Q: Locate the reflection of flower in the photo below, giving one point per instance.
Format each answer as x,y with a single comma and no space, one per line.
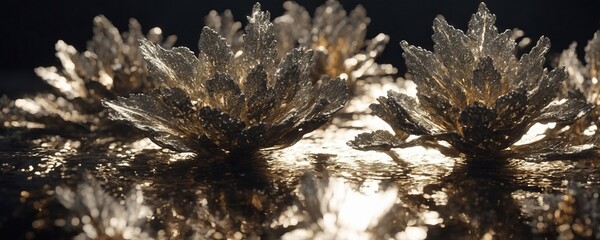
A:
583,80
221,102
473,92
338,40
575,214
112,66
333,210
100,216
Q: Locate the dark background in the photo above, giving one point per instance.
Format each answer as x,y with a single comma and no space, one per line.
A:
31,28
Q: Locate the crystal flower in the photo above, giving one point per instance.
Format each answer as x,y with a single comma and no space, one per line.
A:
219,102
583,80
473,92
112,66
338,40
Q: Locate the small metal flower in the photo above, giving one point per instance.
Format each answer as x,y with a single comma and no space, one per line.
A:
338,40
583,80
219,102
112,66
473,92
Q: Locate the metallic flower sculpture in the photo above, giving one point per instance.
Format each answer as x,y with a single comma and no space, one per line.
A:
473,92
338,40
112,66
583,80
222,103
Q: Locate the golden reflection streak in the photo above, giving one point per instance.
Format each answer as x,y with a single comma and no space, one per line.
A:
339,210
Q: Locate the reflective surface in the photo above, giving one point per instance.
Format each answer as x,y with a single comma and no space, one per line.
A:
57,186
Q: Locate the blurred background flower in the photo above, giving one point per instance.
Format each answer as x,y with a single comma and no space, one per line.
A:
112,66
338,39
583,83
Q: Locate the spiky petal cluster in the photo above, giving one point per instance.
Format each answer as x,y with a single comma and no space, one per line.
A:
221,102
338,40
473,92
583,79
112,66
224,24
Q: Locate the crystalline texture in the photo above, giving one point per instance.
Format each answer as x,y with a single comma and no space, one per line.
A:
337,38
473,92
227,27
112,66
220,103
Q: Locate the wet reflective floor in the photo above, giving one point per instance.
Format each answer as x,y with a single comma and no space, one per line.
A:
62,186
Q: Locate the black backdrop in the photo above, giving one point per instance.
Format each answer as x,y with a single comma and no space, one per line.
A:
31,27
